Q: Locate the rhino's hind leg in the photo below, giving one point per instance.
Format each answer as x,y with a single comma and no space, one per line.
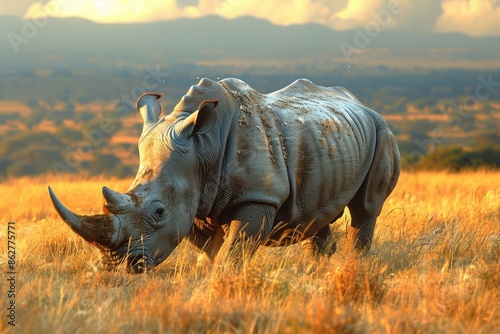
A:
360,233
321,243
381,179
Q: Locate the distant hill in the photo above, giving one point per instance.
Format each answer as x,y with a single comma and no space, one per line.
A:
75,43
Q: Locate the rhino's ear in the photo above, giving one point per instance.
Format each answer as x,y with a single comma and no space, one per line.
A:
149,107
202,120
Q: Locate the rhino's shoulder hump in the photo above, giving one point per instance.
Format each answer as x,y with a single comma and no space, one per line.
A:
239,89
237,85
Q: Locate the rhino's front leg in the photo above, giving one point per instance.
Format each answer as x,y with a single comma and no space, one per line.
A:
239,245
208,243
321,243
243,236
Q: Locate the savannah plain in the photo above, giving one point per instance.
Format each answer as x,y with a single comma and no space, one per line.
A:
434,267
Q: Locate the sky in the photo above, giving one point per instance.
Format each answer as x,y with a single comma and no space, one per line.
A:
472,17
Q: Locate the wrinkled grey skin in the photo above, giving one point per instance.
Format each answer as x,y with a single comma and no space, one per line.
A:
231,164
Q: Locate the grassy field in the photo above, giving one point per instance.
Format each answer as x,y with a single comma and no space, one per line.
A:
434,268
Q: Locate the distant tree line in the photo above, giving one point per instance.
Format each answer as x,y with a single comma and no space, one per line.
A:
31,154
34,152
457,159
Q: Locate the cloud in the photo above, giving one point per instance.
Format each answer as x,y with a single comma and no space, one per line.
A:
356,13
418,16
279,12
472,17
109,11
16,8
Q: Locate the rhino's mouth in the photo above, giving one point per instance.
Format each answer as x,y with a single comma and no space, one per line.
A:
137,259
111,260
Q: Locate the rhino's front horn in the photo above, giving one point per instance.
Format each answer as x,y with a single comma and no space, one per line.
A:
101,230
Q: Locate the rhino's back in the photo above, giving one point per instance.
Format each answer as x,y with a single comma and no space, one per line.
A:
304,88
306,148
300,101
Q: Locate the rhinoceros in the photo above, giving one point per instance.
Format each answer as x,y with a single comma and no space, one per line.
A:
230,164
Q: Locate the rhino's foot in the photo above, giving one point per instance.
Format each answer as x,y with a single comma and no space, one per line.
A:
320,244
315,247
204,261
357,241
237,255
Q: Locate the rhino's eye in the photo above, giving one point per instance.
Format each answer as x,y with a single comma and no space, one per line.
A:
159,212
156,212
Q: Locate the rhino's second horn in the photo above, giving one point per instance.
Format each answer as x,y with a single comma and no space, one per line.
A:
115,202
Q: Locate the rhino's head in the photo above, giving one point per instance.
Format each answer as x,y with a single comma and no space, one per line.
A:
142,226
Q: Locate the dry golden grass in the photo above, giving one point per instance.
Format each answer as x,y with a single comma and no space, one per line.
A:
434,267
